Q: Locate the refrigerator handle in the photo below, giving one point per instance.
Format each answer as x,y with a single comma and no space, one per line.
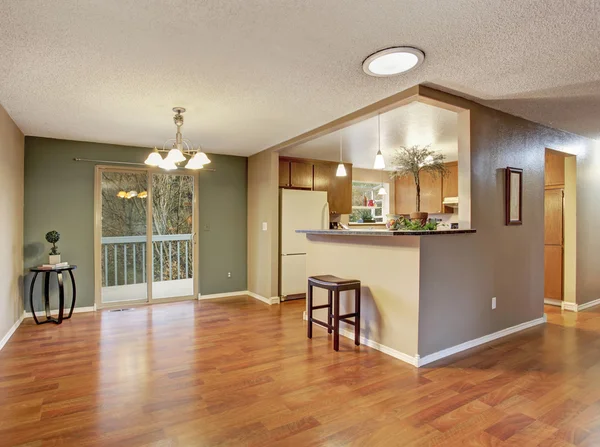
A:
325,222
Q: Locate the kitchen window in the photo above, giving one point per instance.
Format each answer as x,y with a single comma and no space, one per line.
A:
367,205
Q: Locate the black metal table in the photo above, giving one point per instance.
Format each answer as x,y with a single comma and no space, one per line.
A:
61,293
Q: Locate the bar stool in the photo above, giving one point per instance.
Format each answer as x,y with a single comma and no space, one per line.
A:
334,286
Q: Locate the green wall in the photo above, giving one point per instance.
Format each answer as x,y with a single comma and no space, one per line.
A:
59,195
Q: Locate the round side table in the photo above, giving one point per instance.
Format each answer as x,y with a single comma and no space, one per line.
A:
61,293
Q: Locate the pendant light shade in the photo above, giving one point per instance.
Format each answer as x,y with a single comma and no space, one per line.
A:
175,155
382,191
202,157
195,162
379,161
167,165
154,158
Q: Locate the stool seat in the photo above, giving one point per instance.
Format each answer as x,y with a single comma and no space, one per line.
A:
334,286
331,280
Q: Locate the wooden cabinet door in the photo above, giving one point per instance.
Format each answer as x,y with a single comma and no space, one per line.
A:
321,176
431,193
301,174
553,272
450,182
405,195
553,217
554,169
284,173
340,191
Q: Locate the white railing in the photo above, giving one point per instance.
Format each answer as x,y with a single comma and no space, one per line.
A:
124,258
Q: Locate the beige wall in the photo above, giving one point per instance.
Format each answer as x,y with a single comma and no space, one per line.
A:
263,207
388,268
11,222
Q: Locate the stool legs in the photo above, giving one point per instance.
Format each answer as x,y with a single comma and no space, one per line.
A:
357,317
309,299
329,311
336,320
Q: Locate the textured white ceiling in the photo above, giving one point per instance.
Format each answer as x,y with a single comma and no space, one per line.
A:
253,73
415,123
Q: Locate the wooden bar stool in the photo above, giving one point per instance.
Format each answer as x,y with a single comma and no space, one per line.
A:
334,286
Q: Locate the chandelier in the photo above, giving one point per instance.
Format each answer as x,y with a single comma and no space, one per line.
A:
180,149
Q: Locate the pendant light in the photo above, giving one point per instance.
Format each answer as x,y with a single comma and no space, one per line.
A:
341,169
382,191
154,159
379,161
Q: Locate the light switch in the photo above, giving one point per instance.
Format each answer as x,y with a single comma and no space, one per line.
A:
264,226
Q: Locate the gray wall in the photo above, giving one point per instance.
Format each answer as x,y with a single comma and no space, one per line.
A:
502,261
59,195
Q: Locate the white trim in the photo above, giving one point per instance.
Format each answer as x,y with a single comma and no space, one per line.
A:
574,307
77,310
552,302
569,306
419,361
11,331
479,341
213,296
588,304
269,301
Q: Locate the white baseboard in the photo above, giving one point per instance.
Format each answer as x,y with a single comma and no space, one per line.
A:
11,331
269,301
479,341
552,302
419,361
569,306
77,310
574,307
213,296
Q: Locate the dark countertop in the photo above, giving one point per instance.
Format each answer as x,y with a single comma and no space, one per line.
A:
355,232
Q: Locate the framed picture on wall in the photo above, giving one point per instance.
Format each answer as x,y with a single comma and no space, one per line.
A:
514,196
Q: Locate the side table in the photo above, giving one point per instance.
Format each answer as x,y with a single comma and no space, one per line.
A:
61,293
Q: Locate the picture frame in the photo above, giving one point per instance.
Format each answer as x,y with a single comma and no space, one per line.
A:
514,196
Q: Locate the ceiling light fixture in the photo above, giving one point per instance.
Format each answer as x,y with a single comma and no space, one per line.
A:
180,148
393,61
379,161
341,169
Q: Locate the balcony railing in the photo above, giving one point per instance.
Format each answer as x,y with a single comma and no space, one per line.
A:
124,259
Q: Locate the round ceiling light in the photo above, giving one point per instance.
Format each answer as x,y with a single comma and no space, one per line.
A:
393,61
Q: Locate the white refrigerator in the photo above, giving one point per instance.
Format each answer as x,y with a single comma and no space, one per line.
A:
299,210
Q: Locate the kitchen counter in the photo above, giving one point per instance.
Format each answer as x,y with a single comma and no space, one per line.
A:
357,232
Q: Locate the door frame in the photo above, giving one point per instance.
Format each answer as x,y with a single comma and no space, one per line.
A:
99,169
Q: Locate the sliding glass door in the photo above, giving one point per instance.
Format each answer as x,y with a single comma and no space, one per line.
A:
145,236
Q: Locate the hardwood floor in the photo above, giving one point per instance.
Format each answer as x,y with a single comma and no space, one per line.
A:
237,372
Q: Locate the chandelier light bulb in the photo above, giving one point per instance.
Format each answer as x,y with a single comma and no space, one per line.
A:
167,165
195,162
154,158
202,157
175,155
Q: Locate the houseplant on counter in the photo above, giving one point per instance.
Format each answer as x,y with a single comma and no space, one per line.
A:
411,162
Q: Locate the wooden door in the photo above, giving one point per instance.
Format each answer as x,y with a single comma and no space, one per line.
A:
301,174
284,173
554,169
553,244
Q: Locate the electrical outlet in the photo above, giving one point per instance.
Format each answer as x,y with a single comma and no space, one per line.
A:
264,226
229,274
493,302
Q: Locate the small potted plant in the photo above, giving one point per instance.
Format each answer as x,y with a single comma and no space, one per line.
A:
53,237
411,162
366,216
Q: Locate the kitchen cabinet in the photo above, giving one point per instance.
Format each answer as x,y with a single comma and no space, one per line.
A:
339,189
553,244
301,174
284,173
450,182
554,169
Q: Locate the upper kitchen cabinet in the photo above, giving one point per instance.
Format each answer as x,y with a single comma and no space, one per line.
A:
431,193
340,191
554,170
450,182
295,174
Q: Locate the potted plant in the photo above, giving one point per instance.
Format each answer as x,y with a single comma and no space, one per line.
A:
366,216
53,237
411,162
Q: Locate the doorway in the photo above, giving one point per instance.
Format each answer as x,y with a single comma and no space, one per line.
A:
559,218
145,231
